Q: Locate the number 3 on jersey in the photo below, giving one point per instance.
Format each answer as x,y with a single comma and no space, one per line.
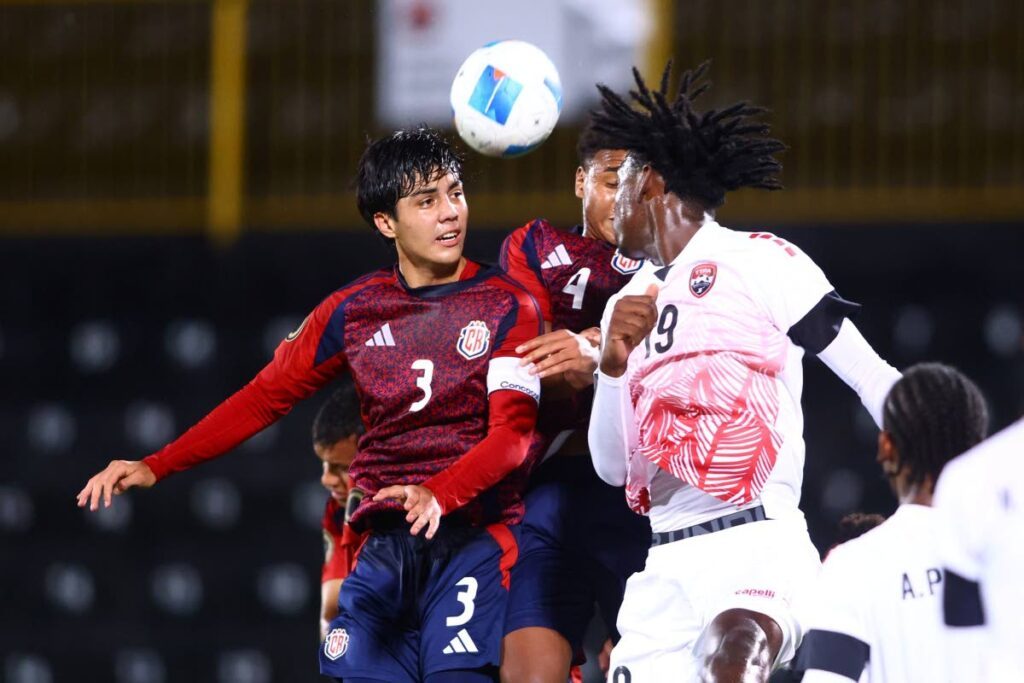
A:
423,382
577,286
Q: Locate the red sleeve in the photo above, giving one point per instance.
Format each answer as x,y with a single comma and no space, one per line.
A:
293,374
513,415
342,549
519,259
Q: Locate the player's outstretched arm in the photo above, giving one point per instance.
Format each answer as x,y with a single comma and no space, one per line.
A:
295,372
851,358
115,479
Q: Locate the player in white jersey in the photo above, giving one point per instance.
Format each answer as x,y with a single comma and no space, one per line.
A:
980,503
876,615
697,409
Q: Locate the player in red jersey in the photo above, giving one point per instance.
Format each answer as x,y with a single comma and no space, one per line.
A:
449,413
336,431
580,541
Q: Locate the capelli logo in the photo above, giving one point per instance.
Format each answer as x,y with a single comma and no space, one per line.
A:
505,384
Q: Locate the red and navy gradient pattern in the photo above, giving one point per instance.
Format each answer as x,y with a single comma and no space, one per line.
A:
393,375
559,289
404,446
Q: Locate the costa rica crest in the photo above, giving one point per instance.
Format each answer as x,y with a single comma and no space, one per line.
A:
702,277
474,339
624,265
336,643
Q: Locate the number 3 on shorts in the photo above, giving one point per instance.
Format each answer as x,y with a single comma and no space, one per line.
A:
466,596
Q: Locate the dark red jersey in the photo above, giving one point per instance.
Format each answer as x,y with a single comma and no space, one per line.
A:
341,543
572,277
438,381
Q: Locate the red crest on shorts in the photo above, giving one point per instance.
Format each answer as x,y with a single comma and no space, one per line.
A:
624,265
336,643
474,339
702,277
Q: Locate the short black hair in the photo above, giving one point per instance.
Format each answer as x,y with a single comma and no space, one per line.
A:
390,168
933,414
701,155
591,141
339,417
855,525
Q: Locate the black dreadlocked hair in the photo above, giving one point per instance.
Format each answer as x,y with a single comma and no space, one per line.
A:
339,417
933,414
701,156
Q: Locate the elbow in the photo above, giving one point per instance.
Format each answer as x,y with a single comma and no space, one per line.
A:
611,476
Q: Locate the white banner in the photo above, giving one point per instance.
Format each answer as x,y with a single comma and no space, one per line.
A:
421,43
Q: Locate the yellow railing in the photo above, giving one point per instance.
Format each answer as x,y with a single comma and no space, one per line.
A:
128,116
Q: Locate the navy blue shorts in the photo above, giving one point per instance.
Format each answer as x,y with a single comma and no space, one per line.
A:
579,544
414,607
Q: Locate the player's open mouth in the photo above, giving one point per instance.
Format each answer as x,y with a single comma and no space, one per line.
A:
449,238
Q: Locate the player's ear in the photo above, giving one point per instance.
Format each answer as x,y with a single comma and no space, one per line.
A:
383,222
888,457
650,183
581,176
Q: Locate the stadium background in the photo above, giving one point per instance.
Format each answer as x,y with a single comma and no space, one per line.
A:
174,197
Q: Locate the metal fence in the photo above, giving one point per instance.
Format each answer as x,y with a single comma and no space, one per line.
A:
189,115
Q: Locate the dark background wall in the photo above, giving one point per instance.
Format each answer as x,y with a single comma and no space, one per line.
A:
108,348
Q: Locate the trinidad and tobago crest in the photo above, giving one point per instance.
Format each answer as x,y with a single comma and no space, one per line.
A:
474,339
702,278
626,266
336,643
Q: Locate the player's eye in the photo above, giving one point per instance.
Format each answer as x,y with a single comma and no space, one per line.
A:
426,202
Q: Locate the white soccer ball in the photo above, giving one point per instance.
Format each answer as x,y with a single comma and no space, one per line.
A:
506,98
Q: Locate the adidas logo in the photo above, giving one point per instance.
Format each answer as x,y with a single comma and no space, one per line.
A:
461,643
559,257
382,337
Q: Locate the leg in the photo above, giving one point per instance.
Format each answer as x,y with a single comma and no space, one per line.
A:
535,655
738,646
551,597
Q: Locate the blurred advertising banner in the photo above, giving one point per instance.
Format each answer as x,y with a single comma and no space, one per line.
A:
421,43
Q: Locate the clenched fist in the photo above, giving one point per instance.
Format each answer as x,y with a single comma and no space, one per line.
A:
633,318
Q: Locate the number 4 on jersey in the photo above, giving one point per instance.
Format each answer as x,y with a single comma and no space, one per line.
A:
577,286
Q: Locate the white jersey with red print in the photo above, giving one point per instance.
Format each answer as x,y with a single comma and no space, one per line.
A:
980,503
711,422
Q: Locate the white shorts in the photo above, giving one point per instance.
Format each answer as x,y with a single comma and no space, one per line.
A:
762,566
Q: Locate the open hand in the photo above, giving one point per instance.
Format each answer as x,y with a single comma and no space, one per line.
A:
561,351
115,479
423,508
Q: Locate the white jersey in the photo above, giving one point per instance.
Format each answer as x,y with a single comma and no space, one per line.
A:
876,615
711,422
980,502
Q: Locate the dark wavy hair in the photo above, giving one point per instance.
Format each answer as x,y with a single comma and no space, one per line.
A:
701,155
390,168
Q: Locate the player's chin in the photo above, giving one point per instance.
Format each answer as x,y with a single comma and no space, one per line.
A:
449,251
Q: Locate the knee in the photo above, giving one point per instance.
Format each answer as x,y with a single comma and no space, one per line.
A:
737,649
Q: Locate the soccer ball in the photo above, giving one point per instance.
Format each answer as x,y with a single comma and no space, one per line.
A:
506,98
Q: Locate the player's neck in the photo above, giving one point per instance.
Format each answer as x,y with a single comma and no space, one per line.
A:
674,226
427,274
919,494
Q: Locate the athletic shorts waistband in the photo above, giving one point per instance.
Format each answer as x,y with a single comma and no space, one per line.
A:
755,514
